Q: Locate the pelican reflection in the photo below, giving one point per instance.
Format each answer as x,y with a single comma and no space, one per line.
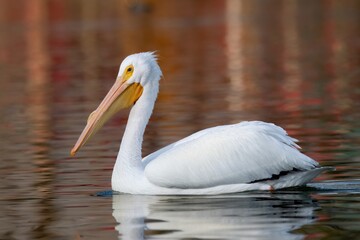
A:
240,216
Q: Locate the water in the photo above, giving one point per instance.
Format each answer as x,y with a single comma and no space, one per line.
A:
291,63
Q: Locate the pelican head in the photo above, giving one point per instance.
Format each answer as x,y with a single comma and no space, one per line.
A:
138,72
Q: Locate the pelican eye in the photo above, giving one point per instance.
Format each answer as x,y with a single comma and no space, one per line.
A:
128,72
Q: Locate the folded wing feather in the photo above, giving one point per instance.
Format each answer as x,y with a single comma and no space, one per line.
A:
239,153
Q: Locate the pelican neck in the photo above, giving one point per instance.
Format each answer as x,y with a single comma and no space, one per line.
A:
129,159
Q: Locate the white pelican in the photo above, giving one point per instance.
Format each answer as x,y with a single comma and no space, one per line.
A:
224,159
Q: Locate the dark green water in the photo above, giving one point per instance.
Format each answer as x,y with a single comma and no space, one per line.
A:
293,63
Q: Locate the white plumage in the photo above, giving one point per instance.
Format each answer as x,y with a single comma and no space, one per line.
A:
232,158
218,156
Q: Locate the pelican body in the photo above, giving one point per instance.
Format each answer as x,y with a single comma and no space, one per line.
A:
225,159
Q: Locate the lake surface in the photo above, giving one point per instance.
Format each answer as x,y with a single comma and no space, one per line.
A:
293,63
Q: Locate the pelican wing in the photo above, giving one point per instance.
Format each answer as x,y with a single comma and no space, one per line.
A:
231,154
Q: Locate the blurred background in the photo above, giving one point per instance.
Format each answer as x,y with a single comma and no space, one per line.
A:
293,63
